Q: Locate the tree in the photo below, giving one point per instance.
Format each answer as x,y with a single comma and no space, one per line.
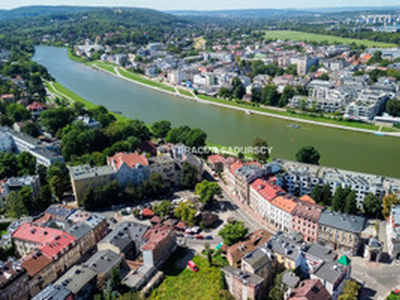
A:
288,93
308,155
208,252
164,208
260,149
189,176
8,165
324,76
160,129
278,289
387,202
351,290
186,211
207,191
255,95
55,119
43,200
232,233
393,107
224,93
269,95
351,203
58,186
31,128
322,195
18,202
195,138
17,112
238,88
372,205
26,164
338,200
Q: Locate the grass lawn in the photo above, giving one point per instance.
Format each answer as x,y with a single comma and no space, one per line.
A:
188,285
63,92
288,114
103,65
185,93
140,78
313,37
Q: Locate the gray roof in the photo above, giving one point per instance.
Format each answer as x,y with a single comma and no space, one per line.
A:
86,171
47,153
53,292
79,230
290,279
243,275
103,262
329,271
125,234
95,219
257,258
321,252
289,245
76,278
341,221
59,211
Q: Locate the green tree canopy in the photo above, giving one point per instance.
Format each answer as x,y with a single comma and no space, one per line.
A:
261,149
308,155
233,233
207,191
189,176
186,212
160,129
372,205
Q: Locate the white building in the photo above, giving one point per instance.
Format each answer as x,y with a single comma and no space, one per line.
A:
393,232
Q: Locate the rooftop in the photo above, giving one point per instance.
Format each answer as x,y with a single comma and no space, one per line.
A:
266,190
132,160
86,171
35,263
310,289
76,278
58,210
342,221
52,292
156,235
102,262
285,203
243,276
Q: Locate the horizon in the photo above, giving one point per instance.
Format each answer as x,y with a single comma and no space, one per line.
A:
208,5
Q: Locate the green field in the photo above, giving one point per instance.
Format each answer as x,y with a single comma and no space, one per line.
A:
102,65
288,114
313,37
185,93
188,285
62,92
140,78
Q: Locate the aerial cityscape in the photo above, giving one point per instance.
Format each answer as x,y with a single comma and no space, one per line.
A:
190,150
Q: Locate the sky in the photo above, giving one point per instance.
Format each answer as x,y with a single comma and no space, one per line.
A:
202,4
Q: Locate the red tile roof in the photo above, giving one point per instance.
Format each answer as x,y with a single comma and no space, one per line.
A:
266,190
310,289
52,249
216,158
236,165
130,159
147,212
307,198
35,234
156,235
35,263
36,106
285,203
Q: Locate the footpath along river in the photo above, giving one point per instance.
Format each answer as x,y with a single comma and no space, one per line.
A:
339,148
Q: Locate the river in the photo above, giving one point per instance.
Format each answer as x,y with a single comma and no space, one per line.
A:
338,148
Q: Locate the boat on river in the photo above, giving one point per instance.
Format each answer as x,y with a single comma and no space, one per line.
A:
295,126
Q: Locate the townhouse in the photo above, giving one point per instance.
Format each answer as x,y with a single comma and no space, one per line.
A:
393,232
13,281
339,231
281,212
262,192
305,218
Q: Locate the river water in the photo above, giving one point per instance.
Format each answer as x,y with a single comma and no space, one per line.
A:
338,148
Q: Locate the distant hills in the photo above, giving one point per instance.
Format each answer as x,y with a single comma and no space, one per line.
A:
34,11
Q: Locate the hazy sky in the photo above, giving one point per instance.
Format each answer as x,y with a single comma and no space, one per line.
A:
202,4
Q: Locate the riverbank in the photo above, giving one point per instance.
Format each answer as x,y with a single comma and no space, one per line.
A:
268,112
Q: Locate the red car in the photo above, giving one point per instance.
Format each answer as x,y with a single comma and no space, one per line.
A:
199,237
192,266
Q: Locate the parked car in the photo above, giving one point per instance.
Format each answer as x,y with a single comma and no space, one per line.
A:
199,237
208,237
192,266
113,220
